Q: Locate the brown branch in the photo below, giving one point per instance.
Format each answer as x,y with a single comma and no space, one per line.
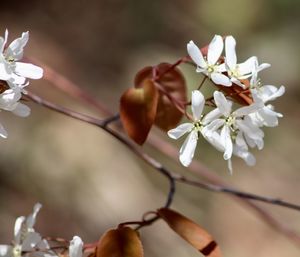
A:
231,191
169,150
70,88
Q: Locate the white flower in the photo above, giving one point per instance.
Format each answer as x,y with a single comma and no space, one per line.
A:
194,129
265,92
229,126
75,248
241,71
209,65
9,101
265,116
10,67
25,237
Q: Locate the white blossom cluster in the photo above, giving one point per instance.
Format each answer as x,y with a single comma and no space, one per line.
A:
27,242
14,75
231,131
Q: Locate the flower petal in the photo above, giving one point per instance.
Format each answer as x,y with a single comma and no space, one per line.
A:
188,148
263,66
4,74
30,241
21,110
180,130
197,103
221,68
222,103
214,125
269,117
3,41
270,93
76,245
3,132
237,82
240,149
196,55
220,79
227,142
215,49
16,47
28,70
18,80
247,110
240,142
30,221
18,229
211,116
248,66
214,139
250,129
231,59
5,250
9,98
229,165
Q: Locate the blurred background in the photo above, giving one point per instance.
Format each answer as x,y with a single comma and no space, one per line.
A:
86,180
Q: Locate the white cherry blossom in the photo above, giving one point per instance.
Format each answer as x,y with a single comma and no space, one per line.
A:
230,124
10,101
76,246
209,65
265,116
195,128
235,71
10,66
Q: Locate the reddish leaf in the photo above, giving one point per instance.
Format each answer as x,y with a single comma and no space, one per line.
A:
142,75
138,110
121,242
191,232
173,84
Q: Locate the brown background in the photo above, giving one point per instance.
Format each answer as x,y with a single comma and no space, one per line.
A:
86,180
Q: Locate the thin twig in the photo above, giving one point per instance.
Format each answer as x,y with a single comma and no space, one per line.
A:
111,119
250,196
64,84
202,83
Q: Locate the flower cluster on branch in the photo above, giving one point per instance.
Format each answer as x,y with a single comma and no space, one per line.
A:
230,130
14,75
28,242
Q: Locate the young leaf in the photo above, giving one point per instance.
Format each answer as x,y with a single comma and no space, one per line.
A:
191,232
172,83
138,110
120,242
